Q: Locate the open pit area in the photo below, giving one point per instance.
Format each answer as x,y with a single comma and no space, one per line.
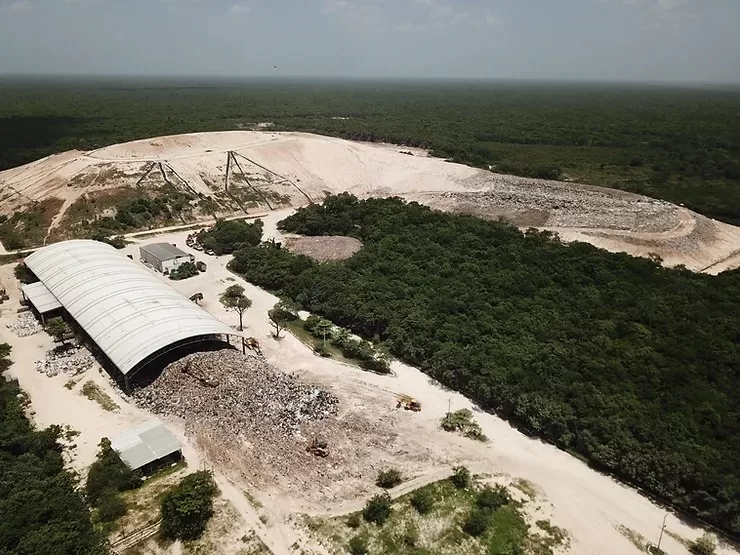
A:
325,248
248,172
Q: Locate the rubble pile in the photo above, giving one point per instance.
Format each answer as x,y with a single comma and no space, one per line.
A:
71,360
237,394
26,325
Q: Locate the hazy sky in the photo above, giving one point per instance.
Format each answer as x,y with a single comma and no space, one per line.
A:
663,40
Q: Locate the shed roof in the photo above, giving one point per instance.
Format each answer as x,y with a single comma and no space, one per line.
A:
145,444
163,251
40,297
129,312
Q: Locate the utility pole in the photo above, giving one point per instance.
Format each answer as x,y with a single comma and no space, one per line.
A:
662,529
449,405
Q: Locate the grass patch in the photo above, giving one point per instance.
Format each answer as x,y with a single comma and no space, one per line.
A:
92,391
304,336
27,227
439,530
635,538
526,487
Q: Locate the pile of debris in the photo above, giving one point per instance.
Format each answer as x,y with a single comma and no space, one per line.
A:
69,359
26,325
238,394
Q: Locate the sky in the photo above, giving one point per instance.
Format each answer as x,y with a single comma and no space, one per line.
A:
593,40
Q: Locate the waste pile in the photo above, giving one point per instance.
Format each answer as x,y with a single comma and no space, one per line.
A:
237,393
70,359
26,325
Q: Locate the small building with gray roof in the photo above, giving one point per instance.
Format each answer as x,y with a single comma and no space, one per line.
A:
164,257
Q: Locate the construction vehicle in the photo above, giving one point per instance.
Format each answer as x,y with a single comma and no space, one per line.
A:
197,298
201,266
408,403
318,447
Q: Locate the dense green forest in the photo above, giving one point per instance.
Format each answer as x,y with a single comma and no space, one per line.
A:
630,365
678,144
42,511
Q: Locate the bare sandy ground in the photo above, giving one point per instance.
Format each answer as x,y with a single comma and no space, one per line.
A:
303,168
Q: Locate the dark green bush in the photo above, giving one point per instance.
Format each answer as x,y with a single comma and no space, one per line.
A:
461,477
354,521
388,479
423,501
477,522
109,473
492,498
188,507
358,546
111,506
378,509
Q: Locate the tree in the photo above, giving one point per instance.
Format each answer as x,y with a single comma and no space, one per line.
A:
461,478
227,236
24,275
492,498
281,315
377,509
57,328
184,271
188,507
108,475
234,299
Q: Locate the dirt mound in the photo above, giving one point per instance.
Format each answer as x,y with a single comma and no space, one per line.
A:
249,172
325,249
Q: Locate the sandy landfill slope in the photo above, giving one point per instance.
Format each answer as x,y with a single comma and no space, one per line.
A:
297,168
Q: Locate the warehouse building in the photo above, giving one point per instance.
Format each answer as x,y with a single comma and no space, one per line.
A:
164,256
148,447
134,320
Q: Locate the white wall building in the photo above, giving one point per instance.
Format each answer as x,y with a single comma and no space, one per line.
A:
164,256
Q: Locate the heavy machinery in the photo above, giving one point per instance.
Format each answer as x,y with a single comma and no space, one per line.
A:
202,267
408,403
318,447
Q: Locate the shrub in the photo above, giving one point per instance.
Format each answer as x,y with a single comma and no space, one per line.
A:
24,275
461,477
108,473
376,364
353,521
477,522
358,546
703,546
187,508
492,498
378,509
184,271
111,507
423,501
320,349
388,479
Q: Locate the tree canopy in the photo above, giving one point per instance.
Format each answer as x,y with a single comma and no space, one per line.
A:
227,236
633,366
42,512
188,507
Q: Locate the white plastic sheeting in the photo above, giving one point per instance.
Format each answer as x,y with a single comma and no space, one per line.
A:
129,312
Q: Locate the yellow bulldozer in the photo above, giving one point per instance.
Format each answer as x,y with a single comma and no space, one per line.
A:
408,403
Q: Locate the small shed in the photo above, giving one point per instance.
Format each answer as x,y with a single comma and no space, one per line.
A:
164,256
147,447
41,299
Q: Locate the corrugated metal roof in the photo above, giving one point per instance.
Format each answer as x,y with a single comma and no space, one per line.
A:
145,444
163,251
41,297
127,311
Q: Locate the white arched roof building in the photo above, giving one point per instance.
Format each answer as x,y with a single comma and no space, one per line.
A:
129,313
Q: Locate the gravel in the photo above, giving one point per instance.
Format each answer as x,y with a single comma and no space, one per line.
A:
71,360
237,393
26,325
